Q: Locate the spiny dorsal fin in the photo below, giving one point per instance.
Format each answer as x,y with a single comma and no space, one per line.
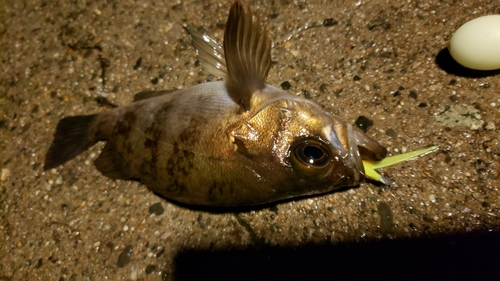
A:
247,49
210,53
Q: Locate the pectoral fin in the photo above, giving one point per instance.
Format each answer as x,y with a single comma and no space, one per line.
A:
247,49
210,53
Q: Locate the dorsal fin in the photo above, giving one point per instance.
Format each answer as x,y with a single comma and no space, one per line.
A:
151,94
247,49
210,53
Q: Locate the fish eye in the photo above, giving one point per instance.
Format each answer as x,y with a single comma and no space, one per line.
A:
312,154
311,159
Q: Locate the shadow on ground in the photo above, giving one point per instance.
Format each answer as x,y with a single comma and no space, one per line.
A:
455,257
446,62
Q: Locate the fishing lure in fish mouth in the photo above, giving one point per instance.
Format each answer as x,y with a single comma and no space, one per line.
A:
370,165
226,143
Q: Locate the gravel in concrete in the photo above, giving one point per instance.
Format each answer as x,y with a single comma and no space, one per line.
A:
383,60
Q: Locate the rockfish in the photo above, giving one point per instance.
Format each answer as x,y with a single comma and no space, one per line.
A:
234,142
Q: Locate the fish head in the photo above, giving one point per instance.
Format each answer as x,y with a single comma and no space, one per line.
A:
318,151
321,148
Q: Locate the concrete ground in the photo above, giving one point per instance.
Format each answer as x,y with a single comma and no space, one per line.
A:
384,60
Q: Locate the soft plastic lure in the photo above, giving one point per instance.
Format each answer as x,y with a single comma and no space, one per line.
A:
371,166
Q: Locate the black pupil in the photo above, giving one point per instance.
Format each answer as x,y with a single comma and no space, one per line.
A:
313,152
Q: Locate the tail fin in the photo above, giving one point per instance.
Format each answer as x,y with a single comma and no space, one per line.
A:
71,138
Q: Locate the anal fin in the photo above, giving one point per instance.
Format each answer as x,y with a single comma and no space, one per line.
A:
111,163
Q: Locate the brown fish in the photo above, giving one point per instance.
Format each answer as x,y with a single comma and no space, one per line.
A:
228,143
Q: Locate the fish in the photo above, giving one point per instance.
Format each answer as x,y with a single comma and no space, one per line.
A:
234,142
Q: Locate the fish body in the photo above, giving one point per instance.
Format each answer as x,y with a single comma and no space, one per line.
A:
227,143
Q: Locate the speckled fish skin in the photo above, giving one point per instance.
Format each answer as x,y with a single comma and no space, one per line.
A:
228,143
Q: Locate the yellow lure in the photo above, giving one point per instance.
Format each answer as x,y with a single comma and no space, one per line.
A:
371,166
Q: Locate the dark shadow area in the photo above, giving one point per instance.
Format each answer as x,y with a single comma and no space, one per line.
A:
472,256
448,64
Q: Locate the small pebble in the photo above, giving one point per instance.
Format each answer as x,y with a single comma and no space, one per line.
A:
124,257
286,85
160,253
322,87
5,174
150,268
133,274
156,209
363,123
435,87
59,180
390,132
490,126
330,22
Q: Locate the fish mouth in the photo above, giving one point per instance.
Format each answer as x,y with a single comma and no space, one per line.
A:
353,154
355,147
343,140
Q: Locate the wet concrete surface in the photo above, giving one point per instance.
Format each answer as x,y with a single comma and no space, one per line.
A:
384,60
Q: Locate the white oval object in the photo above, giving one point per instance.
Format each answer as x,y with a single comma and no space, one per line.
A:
476,44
